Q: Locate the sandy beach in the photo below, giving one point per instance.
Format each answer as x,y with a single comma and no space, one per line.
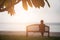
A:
23,33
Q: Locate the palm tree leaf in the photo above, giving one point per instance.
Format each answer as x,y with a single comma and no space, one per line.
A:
17,1
29,2
38,3
24,4
8,5
42,3
11,11
1,2
34,2
47,3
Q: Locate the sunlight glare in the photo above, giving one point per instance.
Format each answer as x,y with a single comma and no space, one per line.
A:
22,16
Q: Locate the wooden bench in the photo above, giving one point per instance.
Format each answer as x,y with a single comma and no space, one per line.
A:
29,27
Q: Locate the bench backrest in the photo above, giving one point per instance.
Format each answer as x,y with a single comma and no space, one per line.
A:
35,27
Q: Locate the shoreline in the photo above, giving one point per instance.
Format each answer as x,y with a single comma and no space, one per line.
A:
23,33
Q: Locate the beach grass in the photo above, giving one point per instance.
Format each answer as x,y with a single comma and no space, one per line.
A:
18,37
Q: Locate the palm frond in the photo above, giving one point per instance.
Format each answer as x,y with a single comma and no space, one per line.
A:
47,3
29,2
24,4
8,5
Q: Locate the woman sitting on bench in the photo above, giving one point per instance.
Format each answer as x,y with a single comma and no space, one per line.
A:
42,27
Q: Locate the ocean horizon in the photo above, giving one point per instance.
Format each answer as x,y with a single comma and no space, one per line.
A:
54,27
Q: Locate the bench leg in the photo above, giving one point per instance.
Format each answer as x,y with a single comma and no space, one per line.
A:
26,31
42,34
48,34
26,34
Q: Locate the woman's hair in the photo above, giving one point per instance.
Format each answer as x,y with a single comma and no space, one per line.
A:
42,21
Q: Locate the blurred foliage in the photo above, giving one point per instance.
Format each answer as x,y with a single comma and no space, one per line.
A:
8,5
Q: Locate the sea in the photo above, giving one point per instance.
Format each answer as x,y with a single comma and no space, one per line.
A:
54,27
19,28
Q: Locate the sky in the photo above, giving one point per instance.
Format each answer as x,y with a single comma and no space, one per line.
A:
49,15
32,15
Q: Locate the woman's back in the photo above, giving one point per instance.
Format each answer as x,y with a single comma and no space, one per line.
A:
42,27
